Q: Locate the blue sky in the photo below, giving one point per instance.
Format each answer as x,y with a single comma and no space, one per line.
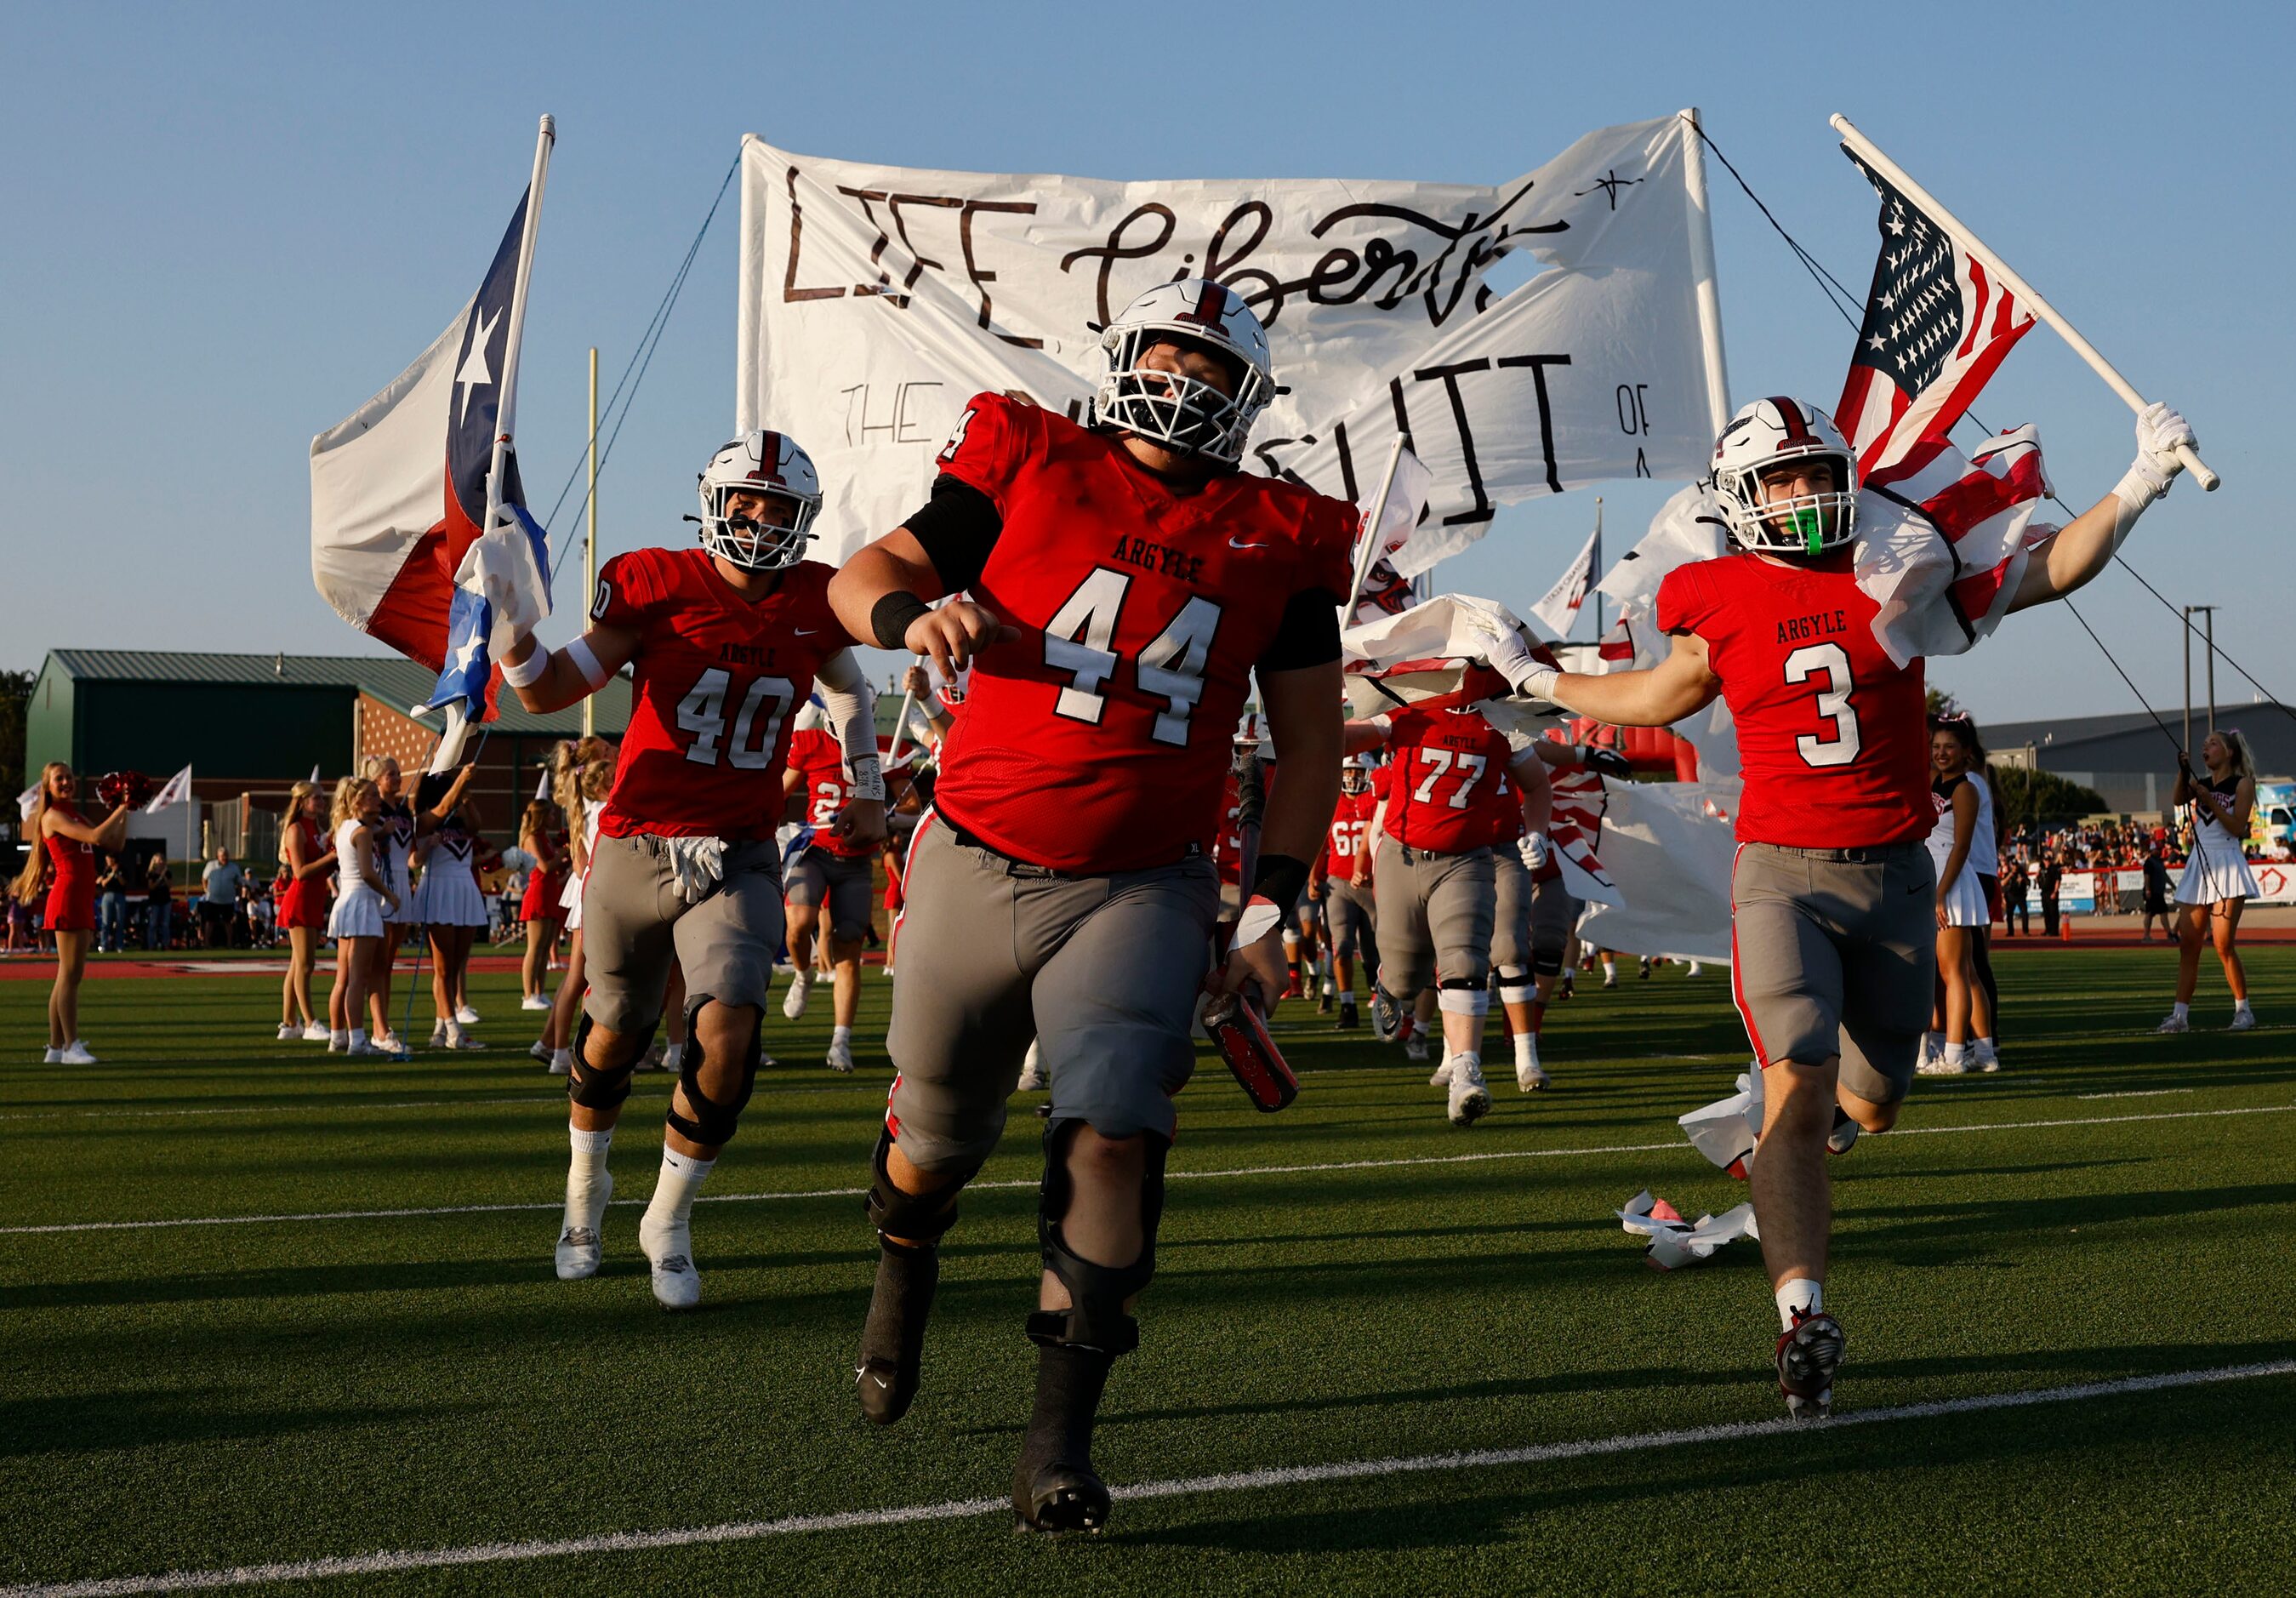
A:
221,229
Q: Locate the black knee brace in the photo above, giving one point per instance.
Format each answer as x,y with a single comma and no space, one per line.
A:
914,1217
711,1124
1095,1317
599,1087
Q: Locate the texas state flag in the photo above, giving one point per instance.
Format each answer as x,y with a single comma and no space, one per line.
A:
398,495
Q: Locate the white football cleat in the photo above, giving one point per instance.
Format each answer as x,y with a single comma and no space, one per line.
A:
1471,1100
676,1284
1415,1047
1529,1075
1441,1076
579,1243
2174,1021
534,1001
316,1032
2242,1020
466,1015
800,989
839,1057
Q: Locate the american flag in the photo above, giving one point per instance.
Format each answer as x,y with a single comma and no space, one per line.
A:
1936,329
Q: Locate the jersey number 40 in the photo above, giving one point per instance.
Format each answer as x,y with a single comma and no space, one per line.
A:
1171,667
755,731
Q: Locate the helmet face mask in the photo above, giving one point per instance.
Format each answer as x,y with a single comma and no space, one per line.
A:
1168,407
1355,774
770,464
1764,440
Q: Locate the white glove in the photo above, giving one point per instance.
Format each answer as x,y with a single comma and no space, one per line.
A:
1534,848
1505,653
2160,431
695,865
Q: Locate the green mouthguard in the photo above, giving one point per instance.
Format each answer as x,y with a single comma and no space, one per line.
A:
1807,523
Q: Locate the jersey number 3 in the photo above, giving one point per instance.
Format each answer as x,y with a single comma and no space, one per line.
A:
1171,667
1830,662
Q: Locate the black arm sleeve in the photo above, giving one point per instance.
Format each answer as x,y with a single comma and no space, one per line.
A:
958,527
1307,635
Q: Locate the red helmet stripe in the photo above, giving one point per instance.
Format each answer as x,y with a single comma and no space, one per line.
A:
1797,431
1212,305
770,470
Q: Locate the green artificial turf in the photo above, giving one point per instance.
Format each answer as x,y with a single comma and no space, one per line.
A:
199,1397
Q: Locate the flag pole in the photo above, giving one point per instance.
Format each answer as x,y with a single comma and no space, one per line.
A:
1367,553
1867,152
590,541
1707,287
449,751
1596,577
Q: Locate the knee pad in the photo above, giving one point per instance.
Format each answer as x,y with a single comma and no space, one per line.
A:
1515,983
597,1087
917,1217
1095,1317
1459,996
712,1123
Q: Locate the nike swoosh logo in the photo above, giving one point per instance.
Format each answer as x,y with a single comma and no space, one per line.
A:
1233,545
805,632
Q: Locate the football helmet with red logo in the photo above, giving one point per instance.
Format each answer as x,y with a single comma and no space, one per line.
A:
1355,772
767,463
1761,438
1180,412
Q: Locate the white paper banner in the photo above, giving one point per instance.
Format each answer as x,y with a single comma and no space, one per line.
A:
875,300
1671,860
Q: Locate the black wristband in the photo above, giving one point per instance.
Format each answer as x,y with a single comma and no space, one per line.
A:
1281,879
890,616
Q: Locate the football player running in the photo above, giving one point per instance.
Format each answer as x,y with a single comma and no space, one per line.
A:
1456,787
1349,914
726,642
1122,582
831,888
1833,893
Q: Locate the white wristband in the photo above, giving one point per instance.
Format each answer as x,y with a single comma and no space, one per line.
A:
869,778
586,662
1537,683
528,671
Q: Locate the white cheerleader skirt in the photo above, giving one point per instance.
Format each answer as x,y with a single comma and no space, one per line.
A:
2215,873
449,898
570,899
358,914
1965,901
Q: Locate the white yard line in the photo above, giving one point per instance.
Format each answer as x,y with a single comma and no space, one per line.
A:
2137,1093
1243,1481
1233,1170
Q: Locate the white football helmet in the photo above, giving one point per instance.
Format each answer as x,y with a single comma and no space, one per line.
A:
1355,772
1775,433
1177,411
768,463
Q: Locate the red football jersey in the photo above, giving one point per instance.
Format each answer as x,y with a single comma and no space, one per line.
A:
1450,787
717,680
818,759
1098,743
1832,734
1343,839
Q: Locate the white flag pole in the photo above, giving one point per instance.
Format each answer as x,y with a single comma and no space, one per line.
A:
1366,552
1707,287
901,721
1595,578
450,751
1872,157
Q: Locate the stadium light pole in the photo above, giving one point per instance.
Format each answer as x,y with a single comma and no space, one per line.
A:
590,540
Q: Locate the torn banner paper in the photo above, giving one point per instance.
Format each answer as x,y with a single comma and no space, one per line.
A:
1727,1129
1675,1242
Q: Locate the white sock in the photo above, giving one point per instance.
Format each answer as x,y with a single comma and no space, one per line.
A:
1933,1042
673,1057
840,1034
1465,1057
565,1057
1525,1049
358,1037
1985,1046
1799,1293
672,1204
2183,1012
1609,968
585,1174
337,1040
1956,1053
2240,1007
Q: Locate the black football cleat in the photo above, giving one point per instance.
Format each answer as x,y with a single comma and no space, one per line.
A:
1806,1359
1061,1497
1054,1488
1348,1019
893,1338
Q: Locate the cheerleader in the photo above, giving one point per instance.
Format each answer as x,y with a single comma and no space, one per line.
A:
452,910
363,911
1962,848
583,790
2217,884
398,824
66,846
546,887
300,910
